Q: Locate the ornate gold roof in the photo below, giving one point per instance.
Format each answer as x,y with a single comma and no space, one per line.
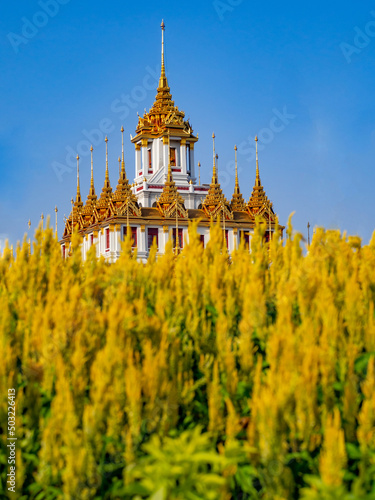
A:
106,194
163,115
123,190
170,199
88,209
259,204
215,201
237,203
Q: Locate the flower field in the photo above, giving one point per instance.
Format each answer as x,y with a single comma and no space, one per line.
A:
191,377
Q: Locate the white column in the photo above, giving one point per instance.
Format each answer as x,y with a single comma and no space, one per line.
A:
165,154
192,167
144,157
183,156
138,160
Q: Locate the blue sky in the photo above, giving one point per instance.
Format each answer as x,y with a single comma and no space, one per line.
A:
235,67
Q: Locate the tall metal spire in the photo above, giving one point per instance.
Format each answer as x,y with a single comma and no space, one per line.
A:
235,160
214,174
237,202
92,171
106,193
162,50
106,159
91,197
78,186
257,179
163,83
122,155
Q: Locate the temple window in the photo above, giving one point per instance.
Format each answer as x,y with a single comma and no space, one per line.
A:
172,152
246,238
133,231
152,233
149,160
107,246
180,238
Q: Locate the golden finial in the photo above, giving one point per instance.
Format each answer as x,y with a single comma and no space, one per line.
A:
119,165
199,174
29,224
42,219
144,179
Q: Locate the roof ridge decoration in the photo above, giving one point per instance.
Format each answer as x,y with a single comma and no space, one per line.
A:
237,203
215,201
259,204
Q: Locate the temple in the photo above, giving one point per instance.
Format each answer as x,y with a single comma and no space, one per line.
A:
165,195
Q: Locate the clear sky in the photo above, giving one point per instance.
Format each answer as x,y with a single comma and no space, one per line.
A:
301,76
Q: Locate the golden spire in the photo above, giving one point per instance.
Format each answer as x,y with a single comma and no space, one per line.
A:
122,154
78,187
257,178
162,76
106,190
91,198
235,160
199,175
215,197
119,166
123,190
237,202
106,158
258,201
78,203
29,224
214,174
170,195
